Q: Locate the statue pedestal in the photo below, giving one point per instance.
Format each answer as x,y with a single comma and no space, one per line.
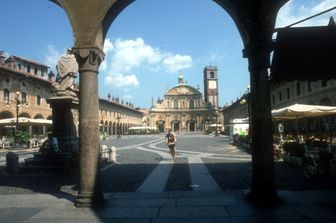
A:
64,117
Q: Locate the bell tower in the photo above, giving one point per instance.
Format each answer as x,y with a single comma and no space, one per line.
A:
211,85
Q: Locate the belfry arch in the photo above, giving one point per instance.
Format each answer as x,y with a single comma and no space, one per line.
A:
255,20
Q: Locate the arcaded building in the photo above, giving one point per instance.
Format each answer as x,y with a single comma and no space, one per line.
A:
183,107
24,87
116,116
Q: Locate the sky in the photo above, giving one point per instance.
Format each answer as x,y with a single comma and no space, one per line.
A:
149,43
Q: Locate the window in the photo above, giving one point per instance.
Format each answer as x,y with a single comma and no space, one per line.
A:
280,96
38,100
19,66
23,98
212,74
6,95
175,104
28,68
35,70
298,89
324,83
288,93
191,104
273,99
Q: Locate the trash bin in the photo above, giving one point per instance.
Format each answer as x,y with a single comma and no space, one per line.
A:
12,163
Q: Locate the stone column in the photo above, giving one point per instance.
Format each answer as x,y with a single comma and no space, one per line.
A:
263,181
89,59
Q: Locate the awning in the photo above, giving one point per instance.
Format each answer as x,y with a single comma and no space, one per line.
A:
304,53
216,125
25,121
297,111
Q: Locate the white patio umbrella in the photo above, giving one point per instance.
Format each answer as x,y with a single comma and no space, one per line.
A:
297,111
25,121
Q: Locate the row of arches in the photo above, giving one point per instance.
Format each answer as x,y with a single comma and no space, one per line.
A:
8,114
178,125
114,128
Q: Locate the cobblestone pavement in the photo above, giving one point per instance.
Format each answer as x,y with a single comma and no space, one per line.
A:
207,183
227,167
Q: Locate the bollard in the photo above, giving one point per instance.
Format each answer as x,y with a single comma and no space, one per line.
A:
113,154
12,163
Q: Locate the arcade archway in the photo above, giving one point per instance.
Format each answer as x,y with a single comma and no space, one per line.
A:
255,20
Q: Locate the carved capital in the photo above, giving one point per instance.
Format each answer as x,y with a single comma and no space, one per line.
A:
88,58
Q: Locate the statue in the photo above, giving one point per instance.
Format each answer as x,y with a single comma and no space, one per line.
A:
67,69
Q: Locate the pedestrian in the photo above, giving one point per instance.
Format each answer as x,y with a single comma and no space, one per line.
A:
170,141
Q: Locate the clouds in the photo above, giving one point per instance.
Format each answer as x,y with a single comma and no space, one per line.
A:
124,58
121,81
52,56
174,63
293,11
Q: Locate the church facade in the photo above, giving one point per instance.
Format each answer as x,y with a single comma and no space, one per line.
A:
183,108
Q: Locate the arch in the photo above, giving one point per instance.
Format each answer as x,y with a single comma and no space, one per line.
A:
24,114
191,104
105,126
38,116
175,104
110,128
114,128
49,117
101,126
160,125
175,125
255,22
6,114
191,124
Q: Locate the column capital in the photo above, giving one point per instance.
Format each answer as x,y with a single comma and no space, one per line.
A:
88,58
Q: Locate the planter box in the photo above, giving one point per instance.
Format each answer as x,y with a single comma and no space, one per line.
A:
296,160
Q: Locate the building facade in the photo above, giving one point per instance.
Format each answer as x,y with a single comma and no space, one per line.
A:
116,117
182,109
283,94
24,87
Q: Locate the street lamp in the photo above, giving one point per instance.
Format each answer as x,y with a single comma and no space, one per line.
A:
17,102
118,129
216,122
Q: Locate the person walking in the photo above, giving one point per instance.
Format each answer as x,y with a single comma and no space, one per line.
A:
170,141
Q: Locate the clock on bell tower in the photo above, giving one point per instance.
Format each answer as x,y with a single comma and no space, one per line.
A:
211,85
